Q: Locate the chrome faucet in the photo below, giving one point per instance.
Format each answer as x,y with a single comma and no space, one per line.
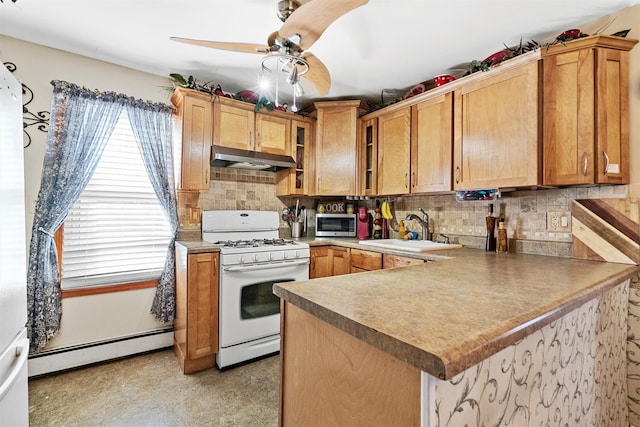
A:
424,223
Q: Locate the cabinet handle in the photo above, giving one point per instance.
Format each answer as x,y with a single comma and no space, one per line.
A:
413,179
406,180
457,174
585,163
206,175
606,162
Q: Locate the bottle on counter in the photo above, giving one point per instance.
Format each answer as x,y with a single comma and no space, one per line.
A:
490,244
502,236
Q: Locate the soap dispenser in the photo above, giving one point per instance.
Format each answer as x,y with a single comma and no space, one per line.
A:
402,231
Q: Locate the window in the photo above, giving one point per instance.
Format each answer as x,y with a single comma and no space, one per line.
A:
116,232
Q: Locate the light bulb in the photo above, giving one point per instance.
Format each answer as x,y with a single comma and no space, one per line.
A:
263,81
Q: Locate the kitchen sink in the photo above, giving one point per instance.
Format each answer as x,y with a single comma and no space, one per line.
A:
410,245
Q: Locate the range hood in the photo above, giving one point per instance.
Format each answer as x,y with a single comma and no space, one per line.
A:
245,159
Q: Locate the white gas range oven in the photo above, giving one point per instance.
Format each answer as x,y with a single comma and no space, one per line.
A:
252,259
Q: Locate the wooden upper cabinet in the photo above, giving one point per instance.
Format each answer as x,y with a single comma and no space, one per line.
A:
368,157
296,181
496,140
237,125
394,145
335,148
586,112
273,134
234,124
432,144
194,127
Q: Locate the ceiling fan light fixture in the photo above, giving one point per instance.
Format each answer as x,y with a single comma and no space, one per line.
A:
288,67
263,78
286,8
292,76
263,82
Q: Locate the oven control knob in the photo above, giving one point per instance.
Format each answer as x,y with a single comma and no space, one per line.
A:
255,258
270,257
297,254
240,259
285,255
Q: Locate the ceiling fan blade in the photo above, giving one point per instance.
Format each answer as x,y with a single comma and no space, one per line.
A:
318,74
234,47
312,18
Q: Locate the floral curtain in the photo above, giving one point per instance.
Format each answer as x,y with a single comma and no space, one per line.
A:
151,124
81,123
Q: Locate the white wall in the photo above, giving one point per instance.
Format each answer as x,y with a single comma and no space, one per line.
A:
98,317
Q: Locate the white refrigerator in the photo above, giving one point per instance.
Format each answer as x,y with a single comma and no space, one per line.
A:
14,345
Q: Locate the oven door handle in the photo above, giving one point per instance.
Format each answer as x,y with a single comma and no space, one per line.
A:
265,266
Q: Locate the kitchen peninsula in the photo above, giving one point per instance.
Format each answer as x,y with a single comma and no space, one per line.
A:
470,340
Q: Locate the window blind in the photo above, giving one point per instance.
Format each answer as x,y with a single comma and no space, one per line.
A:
116,232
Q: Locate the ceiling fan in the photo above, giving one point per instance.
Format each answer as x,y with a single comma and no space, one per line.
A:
302,27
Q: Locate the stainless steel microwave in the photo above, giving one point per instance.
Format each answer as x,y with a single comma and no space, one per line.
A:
336,225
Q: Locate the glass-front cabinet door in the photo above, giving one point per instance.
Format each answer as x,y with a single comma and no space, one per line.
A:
368,157
295,181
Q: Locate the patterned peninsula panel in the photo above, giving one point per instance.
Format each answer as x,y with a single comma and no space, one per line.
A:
571,372
633,351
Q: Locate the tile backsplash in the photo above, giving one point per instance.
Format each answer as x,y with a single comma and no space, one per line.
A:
525,212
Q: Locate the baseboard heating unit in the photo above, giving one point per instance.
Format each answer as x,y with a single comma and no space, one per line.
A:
65,358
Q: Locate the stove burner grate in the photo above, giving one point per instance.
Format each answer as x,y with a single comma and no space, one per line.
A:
254,243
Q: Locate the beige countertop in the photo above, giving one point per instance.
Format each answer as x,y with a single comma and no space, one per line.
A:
198,246
444,317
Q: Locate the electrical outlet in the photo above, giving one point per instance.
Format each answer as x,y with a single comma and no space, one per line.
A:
194,214
559,221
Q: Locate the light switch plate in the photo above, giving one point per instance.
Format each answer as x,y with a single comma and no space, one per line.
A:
559,221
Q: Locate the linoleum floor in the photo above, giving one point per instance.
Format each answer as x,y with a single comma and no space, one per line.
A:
150,390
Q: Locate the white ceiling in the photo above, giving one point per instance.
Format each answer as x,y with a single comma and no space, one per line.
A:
383,45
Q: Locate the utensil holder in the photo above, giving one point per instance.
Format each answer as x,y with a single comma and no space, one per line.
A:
296,229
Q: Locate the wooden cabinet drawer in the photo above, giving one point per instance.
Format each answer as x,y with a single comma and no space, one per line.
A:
391,261
366,260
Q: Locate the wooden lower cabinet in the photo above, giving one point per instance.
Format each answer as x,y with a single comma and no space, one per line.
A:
365,260
196,323
332,378
391,261
329,261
